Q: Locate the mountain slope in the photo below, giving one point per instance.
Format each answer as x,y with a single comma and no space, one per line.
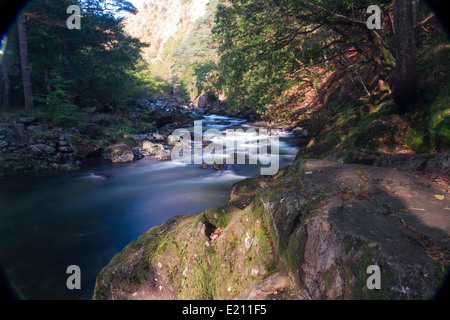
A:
179,38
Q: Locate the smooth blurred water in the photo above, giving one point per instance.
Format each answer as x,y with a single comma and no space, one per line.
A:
49,221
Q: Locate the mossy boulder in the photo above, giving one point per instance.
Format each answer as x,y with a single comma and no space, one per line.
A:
178,260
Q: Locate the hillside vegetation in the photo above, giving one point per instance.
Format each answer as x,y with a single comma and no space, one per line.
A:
307,64
181,49
318,65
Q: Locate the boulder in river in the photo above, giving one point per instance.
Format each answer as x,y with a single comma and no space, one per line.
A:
119,153
155,150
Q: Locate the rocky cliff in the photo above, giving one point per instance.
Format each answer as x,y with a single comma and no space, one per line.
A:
158,20
311,232
180,41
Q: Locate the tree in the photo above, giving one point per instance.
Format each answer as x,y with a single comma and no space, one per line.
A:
269,46
91,65
405,71
4,86
24,62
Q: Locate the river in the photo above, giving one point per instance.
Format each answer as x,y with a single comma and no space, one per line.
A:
49,221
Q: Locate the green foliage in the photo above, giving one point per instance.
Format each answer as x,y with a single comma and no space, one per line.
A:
189,57
415,139
13,163
440,119
145,84
76,67
205,73
267,46
58,100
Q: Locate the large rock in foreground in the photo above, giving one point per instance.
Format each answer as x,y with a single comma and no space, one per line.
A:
311,232
332,221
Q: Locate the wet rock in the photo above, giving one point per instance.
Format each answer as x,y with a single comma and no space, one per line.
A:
137,153
164,155
159,137
219,167
149,148
171,140
205,166
150,138
214,166
155,150
119,153
178,142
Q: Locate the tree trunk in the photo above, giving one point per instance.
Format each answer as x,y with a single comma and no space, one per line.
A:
66,53
4,86
405,70
24,62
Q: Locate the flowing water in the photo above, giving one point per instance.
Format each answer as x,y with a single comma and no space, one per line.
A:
49,221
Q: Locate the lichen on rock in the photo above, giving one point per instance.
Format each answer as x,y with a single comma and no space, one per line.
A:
296,236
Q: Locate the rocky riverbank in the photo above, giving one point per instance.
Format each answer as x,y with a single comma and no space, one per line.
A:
310,232
31,144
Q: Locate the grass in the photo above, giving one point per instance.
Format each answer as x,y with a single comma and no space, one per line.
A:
11,163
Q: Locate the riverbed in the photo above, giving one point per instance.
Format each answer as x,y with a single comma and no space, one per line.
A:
49,221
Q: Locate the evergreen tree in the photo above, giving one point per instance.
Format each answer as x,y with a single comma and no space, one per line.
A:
24,62
92,63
